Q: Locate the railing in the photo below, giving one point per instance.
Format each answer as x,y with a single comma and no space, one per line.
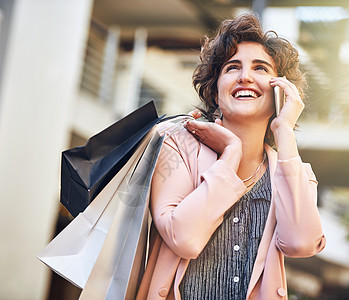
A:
94,57
105,70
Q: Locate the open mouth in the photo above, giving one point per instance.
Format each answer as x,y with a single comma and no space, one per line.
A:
245,94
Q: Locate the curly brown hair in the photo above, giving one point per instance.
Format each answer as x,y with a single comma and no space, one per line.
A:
218,49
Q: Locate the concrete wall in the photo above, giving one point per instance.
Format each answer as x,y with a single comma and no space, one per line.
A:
40,80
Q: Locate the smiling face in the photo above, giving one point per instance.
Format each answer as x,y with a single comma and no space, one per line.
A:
244,91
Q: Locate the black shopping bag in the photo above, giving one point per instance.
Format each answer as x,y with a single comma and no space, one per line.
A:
87,169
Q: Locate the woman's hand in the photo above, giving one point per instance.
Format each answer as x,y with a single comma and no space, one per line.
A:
221,140
292,108
283,125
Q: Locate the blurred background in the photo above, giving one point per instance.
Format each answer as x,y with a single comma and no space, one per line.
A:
70,68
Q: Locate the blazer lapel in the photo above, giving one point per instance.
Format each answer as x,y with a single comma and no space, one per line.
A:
269,226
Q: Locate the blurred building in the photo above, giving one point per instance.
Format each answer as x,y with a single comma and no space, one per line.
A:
68,69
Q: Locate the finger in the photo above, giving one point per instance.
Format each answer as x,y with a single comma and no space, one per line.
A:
192,112
219,122
192,127
197,132
291,85
289,88
200,129
195,125
195,113
283,82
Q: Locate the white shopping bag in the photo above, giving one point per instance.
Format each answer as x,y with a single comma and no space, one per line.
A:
120,264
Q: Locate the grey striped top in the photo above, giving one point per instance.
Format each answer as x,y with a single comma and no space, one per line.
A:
223,269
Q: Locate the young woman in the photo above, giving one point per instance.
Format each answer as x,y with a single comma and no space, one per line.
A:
226,206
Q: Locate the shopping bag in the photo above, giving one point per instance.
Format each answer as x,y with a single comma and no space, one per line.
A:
73,252
121,262
87,169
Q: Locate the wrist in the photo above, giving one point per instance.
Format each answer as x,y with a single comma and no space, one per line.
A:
280,126
285,140
283,130
232,155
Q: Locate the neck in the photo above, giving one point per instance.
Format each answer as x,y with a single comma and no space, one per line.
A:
252,139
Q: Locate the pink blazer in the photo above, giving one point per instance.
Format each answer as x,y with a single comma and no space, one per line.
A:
197,189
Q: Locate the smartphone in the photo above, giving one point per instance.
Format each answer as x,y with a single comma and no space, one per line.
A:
279,98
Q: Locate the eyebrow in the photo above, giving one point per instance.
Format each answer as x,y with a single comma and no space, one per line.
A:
255,61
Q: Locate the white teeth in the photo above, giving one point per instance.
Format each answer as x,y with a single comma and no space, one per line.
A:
245,93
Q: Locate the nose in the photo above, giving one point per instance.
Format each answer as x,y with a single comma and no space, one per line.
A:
245,76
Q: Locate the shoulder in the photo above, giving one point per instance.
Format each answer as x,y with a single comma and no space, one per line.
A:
183,146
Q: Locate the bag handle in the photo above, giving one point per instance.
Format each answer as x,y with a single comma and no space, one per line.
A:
179,116
174,123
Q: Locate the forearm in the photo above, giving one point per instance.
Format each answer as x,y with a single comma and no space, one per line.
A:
299,230
286,143
186,222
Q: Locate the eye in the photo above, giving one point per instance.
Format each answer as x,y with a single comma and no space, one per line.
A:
232,67
261,68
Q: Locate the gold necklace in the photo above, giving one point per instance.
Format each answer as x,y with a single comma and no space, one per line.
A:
255,172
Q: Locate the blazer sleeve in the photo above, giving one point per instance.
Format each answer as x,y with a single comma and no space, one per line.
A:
298,228
186,215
